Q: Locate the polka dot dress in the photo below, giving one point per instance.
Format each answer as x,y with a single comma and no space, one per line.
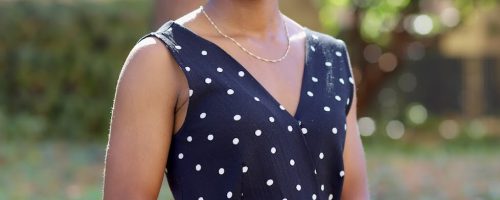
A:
238,142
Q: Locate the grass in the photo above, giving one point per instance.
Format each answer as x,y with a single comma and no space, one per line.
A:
68,170
443,173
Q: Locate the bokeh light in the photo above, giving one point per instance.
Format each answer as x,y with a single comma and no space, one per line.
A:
417,114
372,53
415,51
388,62
367,126
476,129
407,82
387,97
395,129
450,17
422,24
449,129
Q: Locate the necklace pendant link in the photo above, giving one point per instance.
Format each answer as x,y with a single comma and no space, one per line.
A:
246,50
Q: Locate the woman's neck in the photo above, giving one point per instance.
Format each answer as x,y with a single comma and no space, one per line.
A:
258,18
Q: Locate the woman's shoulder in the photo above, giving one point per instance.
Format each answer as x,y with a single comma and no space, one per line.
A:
325,39
321,38
150,67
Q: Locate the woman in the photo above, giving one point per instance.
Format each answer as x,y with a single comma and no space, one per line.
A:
234,100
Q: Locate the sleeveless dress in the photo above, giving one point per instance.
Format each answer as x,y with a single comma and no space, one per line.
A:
238,142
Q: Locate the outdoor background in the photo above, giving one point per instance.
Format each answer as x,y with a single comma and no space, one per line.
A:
428,74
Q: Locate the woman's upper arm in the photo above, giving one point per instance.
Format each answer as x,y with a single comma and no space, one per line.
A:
142,123
355,179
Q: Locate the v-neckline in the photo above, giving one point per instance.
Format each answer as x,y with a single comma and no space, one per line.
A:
303,81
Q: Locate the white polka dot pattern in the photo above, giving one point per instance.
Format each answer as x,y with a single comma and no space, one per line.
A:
234,129
270,182
273,150
282,108
334,130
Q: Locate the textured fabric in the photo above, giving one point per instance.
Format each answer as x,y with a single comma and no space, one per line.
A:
238,142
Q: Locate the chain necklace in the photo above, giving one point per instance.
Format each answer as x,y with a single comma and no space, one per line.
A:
244,49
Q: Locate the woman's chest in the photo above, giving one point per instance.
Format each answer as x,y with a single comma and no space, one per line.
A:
232,102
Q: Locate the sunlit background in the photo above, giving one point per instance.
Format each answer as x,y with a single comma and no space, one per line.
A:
428,77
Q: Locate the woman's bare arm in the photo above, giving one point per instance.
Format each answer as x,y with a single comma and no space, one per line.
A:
141,124
355,179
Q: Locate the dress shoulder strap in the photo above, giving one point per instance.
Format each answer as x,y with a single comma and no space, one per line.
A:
165,34
337,55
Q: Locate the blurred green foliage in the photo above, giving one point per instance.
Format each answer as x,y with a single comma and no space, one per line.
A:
377,20
59,62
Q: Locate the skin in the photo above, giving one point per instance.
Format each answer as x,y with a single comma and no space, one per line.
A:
152,92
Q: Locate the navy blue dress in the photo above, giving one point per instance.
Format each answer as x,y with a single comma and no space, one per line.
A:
238,142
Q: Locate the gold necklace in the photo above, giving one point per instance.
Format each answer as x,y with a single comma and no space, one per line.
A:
244,49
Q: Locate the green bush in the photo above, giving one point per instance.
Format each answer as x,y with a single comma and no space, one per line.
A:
59,62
